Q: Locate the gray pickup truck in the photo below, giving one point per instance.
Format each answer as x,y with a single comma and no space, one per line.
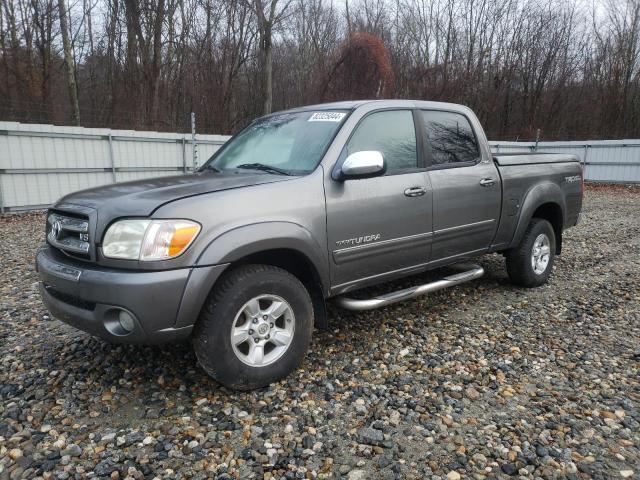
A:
301,206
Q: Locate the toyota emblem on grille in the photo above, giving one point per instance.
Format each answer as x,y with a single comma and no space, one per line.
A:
55,229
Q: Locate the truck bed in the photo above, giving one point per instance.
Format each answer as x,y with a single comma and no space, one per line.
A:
510,159
556,177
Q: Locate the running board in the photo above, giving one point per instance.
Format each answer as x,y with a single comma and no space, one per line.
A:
383,300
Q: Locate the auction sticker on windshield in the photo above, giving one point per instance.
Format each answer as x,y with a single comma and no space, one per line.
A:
326,117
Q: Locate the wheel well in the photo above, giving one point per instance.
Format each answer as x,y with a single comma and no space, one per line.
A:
552,212
299,265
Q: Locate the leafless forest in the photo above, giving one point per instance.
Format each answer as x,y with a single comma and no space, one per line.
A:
569,68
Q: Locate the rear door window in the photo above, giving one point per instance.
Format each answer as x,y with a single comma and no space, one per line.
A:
450,138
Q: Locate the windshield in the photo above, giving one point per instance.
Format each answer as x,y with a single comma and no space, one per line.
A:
287,143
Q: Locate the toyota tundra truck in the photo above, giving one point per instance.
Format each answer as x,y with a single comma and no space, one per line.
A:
299,207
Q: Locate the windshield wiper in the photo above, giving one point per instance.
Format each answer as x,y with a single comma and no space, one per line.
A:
264,168
210,166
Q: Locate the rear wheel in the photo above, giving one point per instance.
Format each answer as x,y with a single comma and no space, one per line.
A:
531,262
255,328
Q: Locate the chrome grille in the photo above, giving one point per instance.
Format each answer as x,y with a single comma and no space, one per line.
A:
69,234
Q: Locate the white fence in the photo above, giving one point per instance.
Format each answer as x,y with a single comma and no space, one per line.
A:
610,161
41,163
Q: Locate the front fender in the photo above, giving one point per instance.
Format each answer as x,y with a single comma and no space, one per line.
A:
540,194
237,243
258,237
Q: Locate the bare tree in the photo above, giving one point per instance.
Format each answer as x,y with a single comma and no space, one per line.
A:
521,65
145,22
69,65
269,16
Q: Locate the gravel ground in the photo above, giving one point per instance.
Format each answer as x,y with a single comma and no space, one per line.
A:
483,380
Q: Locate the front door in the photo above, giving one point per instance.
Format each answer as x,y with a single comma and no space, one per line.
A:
466,187
381,225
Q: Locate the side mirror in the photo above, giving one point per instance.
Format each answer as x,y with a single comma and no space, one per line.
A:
365,164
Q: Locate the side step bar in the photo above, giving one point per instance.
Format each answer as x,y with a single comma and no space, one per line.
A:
449,281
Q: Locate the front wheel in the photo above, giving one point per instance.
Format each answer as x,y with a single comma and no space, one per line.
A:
530,263
255,328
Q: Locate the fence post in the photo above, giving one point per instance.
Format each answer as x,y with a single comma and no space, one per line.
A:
584,158
1,197
113,163
194,144
184,155
584,161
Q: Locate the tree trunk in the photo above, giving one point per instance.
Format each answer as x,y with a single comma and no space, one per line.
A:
268,71
3,50
69,67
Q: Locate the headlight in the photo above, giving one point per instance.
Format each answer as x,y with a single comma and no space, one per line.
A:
148,240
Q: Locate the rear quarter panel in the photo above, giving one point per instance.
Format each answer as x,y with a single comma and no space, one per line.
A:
526,185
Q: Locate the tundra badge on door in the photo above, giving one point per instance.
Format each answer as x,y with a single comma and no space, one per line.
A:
358,240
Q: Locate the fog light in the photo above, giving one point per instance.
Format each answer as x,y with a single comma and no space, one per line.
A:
126,321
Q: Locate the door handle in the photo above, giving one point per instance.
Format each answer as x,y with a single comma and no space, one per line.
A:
415,191
487,182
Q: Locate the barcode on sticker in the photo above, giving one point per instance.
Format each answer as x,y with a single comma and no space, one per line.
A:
327,117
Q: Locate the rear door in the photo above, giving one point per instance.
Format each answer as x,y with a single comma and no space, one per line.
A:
382,225
465,183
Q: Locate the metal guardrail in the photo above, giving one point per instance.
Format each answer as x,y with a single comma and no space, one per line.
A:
9,171
578,145
88,136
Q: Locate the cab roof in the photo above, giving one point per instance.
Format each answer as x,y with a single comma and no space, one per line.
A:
387,103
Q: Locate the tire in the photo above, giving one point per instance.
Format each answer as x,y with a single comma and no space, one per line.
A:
520,261
232,306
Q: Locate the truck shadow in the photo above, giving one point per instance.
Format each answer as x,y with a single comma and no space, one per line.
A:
494,277
146,383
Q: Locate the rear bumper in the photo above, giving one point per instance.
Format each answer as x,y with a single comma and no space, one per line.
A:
162,305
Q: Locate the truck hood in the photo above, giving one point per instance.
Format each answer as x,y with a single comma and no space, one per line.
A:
143,197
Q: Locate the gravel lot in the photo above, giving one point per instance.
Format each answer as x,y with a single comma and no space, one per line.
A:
483,380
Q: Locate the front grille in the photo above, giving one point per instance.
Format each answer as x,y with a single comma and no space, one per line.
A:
69,234
70,299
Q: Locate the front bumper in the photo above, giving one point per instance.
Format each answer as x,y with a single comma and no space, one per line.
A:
163,305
